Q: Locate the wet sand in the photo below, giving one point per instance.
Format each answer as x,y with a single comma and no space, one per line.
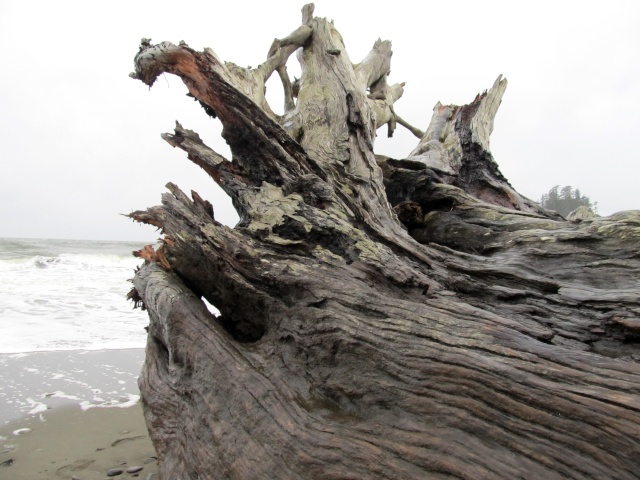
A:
33,383
73,415
75,443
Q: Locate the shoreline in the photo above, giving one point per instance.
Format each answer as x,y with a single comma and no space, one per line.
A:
72,443
36,382
76,351
73,414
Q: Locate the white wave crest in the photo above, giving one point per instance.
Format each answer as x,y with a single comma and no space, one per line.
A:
69,262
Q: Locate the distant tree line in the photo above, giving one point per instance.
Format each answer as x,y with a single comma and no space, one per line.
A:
565,200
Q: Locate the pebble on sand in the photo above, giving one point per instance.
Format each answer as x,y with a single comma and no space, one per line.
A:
112,472
134,469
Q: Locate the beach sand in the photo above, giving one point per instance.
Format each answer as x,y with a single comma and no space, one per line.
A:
76,443
73,414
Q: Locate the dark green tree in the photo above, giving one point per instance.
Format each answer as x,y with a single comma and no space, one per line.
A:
565,200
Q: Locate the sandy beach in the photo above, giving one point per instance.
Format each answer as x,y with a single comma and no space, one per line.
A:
73,415
74,443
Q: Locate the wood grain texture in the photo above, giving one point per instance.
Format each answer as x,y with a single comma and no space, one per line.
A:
379,318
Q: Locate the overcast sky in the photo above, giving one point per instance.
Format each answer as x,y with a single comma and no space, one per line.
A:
80,141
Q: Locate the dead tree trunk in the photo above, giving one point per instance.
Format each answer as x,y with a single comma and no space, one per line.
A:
380,318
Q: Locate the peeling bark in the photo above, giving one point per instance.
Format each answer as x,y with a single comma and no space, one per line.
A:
379,318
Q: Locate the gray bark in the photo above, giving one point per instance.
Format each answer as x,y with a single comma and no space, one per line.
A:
380,318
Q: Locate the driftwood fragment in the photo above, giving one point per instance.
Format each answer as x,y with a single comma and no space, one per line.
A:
379,318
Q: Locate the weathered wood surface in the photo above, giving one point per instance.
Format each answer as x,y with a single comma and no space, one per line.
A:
380,318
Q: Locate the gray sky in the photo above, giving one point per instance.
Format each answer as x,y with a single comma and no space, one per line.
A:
80,141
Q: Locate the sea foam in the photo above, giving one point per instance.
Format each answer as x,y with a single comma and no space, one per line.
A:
67,295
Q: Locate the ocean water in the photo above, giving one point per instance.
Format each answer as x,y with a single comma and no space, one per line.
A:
68,335
68,295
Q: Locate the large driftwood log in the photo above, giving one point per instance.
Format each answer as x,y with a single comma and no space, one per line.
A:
379,318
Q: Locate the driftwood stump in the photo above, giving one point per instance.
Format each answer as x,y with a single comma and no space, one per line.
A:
379,318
